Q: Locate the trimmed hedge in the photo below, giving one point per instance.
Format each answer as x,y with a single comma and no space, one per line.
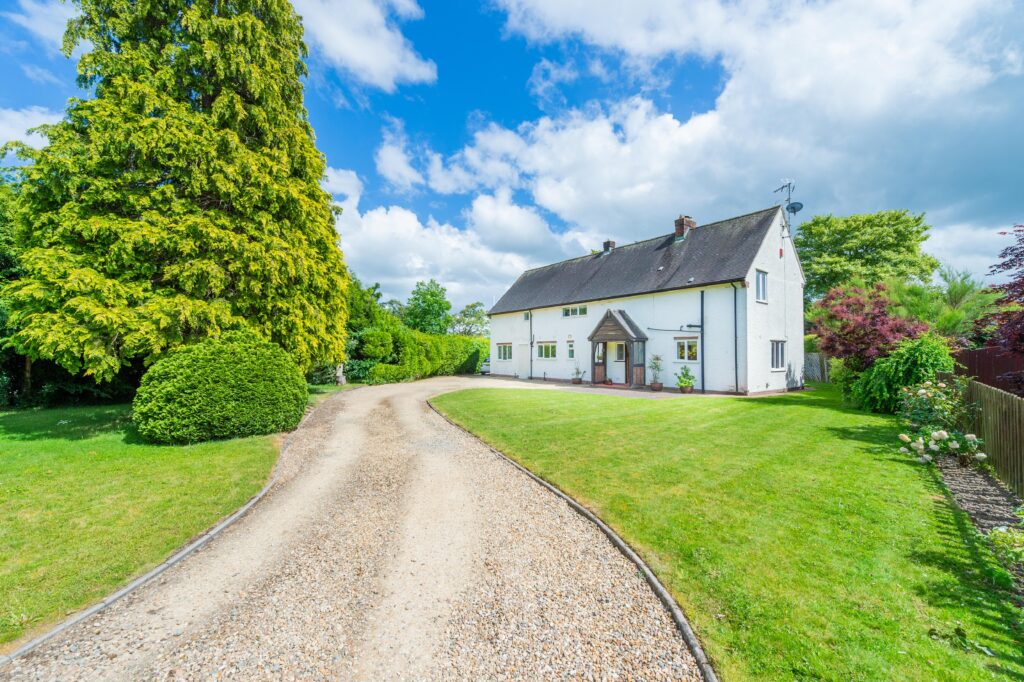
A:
237,385
416,355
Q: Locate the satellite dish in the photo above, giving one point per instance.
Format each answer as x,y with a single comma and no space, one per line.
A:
793,207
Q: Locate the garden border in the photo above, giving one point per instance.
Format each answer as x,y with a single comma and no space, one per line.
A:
177,557
678,617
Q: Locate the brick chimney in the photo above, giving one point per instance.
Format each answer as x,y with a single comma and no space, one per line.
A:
684,224
608,246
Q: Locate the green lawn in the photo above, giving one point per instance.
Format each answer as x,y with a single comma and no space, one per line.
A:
321,392
85,506
800,544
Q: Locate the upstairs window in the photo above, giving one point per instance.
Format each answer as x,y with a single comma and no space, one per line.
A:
778,355
762,286
547,351
504,351
574,311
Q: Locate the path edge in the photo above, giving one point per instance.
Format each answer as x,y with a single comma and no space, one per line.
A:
171,561
666,598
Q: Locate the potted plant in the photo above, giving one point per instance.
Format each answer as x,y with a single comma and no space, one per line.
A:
656,367
577,374
685,380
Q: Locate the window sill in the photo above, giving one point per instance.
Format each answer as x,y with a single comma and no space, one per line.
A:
781,369
761,300
687,362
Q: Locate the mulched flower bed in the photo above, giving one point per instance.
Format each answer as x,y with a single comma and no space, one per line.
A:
986,500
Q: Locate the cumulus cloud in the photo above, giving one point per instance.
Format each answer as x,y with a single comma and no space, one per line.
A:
869,105
15,124
46,19
393,160
361,38
546,78
476,262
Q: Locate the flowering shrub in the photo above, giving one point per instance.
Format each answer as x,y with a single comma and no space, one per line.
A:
1009,544
937,415
941,405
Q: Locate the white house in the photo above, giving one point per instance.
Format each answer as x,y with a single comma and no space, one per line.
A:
725,299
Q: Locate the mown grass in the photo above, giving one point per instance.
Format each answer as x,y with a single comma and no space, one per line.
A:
798,541
85,505
321,392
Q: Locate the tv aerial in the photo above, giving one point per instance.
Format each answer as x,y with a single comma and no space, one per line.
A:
792,207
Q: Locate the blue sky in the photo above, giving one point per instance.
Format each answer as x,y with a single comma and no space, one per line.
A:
469,141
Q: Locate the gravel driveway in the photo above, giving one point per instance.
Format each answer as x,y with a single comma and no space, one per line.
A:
392,546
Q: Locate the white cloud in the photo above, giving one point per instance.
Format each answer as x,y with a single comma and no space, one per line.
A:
46,19
40,75
547,76
393,160
361,38
869,105
15,124
394,246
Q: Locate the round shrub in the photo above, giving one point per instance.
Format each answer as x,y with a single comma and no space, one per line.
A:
237,385
913,361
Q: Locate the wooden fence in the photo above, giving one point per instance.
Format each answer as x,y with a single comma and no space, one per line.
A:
987,364
1001,426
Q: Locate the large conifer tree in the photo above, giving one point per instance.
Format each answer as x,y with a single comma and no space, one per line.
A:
184,197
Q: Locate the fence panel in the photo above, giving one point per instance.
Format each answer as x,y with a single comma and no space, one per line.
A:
1001,426
986,364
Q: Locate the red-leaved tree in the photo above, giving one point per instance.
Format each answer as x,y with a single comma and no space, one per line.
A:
856,325
1010,319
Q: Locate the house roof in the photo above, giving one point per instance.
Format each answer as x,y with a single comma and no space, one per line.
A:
711,254
617,325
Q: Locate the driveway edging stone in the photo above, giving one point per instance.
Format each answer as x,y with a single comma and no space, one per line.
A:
678,617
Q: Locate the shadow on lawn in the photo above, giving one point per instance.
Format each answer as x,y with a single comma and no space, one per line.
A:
71,423
976,582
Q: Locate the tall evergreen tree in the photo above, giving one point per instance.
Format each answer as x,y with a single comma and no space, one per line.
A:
183,198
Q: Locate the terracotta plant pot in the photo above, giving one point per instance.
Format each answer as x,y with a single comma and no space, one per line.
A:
607,382
686,389
657,385
577,380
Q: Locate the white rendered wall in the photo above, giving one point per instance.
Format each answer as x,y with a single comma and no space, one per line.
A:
780,318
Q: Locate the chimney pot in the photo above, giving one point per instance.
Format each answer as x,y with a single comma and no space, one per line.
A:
609,245
684,224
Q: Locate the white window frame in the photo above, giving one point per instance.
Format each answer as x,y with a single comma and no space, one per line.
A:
547,350
761,286
504,351
570,350
778,352
686,344
574,311
599,352
620,350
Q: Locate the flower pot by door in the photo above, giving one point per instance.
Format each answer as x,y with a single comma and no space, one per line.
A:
686,389
657,386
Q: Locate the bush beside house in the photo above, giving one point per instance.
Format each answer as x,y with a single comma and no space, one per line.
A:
237,385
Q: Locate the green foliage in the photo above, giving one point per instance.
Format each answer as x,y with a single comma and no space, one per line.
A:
376,344
811,343
656,363
938,405
843,375
879,388
183,198
472,320
10,267
321,375
364,308
358,371
952,308
1008,543
420,355
428,309
685,378
872,247
237,385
